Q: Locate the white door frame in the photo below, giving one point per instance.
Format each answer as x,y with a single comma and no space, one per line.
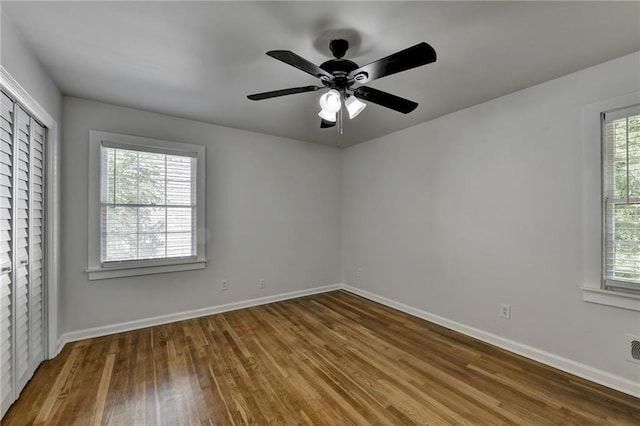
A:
52,208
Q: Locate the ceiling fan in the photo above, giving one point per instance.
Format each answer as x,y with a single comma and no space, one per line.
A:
339,75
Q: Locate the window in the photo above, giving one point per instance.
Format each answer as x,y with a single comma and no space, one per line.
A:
610,197
621,199
146,206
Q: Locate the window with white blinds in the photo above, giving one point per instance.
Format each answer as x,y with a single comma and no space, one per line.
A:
150,215
148,205
621,199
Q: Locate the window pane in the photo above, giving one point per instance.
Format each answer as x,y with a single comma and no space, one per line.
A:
126,173
620,179
623,156
633,140
179,220
108,177
151,178
626,243
179,190
616,136
152,219
120,220
179,244
120,247
151,246
119,233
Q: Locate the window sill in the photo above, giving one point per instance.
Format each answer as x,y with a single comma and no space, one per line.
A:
611,298
129,271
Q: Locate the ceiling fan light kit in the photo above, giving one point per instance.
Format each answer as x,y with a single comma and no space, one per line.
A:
328,116
331,101
354,106
339,75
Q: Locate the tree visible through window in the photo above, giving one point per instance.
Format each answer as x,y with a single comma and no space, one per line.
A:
148,205
621,136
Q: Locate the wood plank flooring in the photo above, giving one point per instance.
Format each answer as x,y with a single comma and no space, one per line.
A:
328,359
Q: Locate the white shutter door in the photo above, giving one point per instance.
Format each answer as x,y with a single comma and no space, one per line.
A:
21,260
6,242
21,231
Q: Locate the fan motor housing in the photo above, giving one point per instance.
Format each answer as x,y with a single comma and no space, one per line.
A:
340,69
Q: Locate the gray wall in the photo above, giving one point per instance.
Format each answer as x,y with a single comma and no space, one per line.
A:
272,212
22,65
484,206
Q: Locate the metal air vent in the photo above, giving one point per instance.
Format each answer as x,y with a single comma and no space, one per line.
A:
633,348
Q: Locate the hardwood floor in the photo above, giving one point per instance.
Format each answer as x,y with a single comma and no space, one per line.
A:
332,358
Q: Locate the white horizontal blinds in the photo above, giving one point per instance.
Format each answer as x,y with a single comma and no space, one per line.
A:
621,136
36,179
6,251
21,260
148,204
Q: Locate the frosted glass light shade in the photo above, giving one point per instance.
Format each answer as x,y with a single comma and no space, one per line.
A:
330,101
329,116
354,106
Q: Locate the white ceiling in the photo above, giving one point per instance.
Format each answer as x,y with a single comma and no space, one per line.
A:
199,60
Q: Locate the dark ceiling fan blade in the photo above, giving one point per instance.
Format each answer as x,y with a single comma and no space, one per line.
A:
299,62
324,124
415,56
283,92
385,99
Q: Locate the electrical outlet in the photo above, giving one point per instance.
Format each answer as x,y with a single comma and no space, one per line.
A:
224,285
262,283
505,311
359,274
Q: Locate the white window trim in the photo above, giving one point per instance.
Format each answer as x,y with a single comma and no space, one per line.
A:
592,283
96,270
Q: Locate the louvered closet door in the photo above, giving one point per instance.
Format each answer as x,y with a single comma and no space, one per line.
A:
21,254
7,387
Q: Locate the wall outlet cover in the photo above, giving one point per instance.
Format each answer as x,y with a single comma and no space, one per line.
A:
505,311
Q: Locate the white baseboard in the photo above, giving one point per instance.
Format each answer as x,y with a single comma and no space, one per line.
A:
581,370
165,319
